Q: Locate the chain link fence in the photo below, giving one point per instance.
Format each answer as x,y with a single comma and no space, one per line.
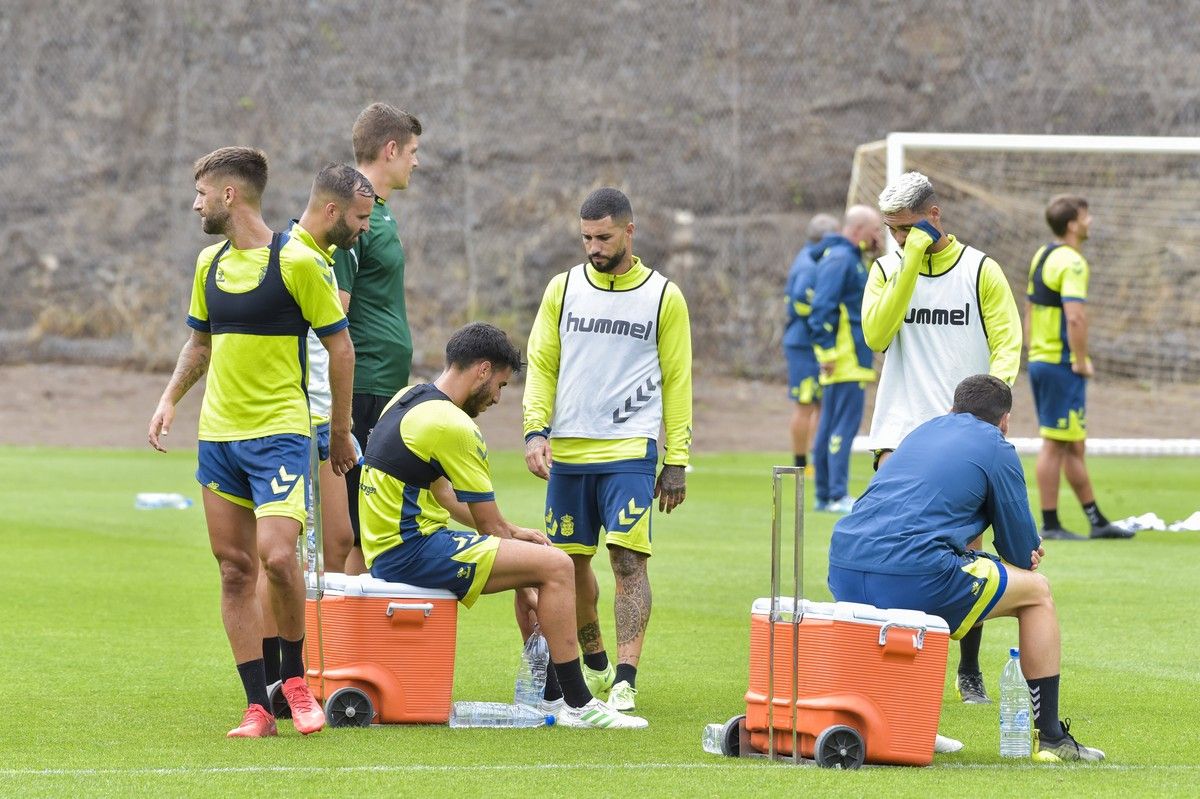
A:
727,123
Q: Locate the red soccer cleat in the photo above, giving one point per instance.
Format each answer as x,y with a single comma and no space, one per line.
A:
257,723
306,713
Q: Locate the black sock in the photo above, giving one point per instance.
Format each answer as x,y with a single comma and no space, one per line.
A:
596,661
1043,696
1050,519
968,650
553,690
1094,515
271,658
291,658
628,673
801,460
254,680
570,678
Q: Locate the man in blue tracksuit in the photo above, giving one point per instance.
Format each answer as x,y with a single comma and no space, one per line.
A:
835,326
802,367
904,545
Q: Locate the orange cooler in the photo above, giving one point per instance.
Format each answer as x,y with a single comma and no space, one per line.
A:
879,672
392,642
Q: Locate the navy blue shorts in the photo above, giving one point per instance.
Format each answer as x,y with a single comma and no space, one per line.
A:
268,475
961,594
455,560
323,443
1060,397
579,505
803,371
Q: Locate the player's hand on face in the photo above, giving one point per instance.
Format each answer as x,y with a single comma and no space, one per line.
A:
532,536
160,425
921,237
343,455
537,456
671,488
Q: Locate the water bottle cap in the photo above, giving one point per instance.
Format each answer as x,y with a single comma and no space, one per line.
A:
551,720
1014,652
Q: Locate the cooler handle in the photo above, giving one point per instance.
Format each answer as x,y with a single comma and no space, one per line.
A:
425,607
918,639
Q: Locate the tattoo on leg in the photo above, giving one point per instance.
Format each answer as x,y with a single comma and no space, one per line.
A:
589,638
632,597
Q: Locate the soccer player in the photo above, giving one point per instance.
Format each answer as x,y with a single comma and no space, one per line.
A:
835,328
942,310
426,464
370,279
802,367
610,361
1056,327
908,544
253,300
338,212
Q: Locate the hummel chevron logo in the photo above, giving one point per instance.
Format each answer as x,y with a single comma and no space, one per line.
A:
283,483
635,403
634,513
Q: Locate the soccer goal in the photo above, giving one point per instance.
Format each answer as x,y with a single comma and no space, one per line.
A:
1144,245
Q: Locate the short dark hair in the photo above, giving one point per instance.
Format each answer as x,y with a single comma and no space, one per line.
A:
1063,210
607,202
480,341
342,182
246,164
378,124
986,397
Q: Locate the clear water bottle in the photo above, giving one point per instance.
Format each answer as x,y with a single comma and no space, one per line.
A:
711,740
1015,713
149,500
531,673
496,714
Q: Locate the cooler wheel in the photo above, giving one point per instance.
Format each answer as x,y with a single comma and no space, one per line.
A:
731,736
349,707
839,747
279,706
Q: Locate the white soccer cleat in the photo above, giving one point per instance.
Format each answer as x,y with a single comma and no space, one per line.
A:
945,746
597,715
622,696
551,707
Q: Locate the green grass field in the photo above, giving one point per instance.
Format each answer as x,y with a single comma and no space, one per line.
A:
121,682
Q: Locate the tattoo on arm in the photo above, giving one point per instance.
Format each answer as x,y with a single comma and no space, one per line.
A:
192,364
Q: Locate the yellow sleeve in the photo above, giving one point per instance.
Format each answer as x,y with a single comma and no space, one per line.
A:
885,301
198,307
541,379
675,358
312,285
1002,321
1074,279
463,454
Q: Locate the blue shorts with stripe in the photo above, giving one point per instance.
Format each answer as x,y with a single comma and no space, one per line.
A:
803,371
578,506
454,560
268,474
962,593
1060,397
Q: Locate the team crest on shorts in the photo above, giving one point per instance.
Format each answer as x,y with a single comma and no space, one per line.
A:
464,573
214,486
567,526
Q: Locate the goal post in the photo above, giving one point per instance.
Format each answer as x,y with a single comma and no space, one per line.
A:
1144,245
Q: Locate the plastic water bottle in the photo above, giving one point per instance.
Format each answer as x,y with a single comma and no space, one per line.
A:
149,500
531,673
1015,713
712,738
496,714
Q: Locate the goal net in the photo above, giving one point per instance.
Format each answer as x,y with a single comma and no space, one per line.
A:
1144,245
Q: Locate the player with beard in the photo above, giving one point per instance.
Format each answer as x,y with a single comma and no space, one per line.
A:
338,212
425,464
610,363
254,298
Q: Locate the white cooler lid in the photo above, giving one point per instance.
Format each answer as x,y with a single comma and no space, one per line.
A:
854,612
366,585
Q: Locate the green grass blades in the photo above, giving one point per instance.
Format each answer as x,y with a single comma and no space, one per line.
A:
120,680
